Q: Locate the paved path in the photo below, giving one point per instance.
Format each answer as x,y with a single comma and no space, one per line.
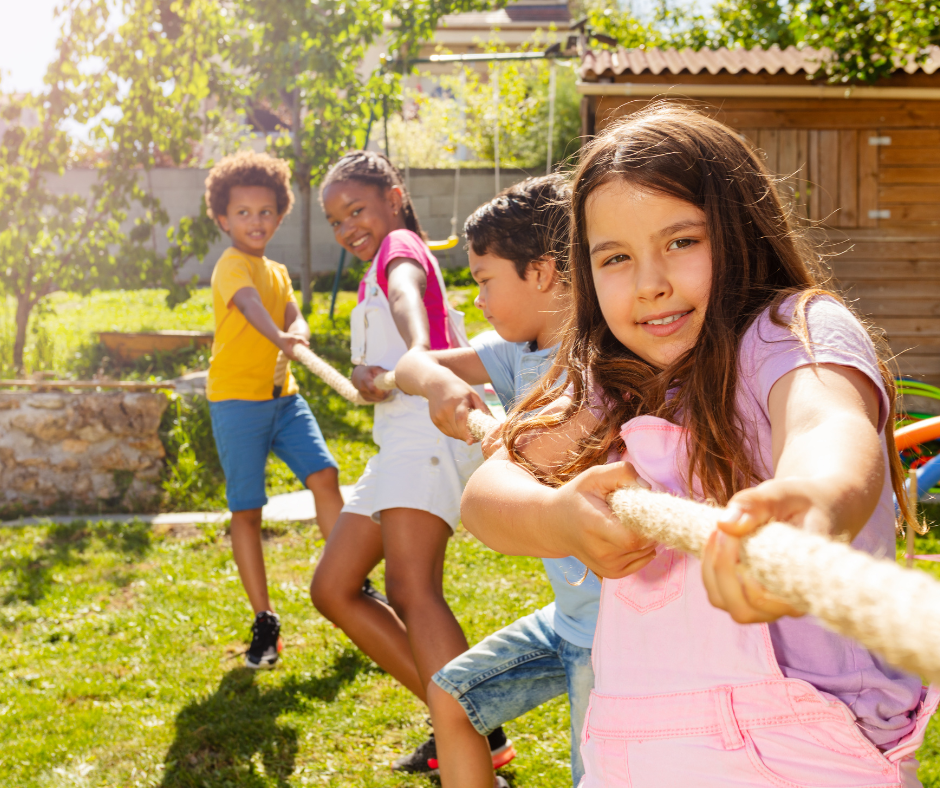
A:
288,507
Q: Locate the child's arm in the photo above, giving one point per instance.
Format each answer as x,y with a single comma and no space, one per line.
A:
828,476
248,302
294,322
445,377
406,285
507,508
407,282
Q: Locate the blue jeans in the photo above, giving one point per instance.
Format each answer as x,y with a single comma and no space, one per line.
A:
518,669
247,431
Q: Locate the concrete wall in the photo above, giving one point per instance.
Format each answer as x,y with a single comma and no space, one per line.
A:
79,451
432,191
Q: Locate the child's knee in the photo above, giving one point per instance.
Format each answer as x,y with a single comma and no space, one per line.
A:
323,480
405,592
445,709
246,519
325,594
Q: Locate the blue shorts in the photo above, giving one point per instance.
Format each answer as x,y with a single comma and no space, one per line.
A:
247,431
518,669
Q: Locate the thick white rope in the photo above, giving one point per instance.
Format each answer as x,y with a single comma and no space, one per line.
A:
333,378
888,609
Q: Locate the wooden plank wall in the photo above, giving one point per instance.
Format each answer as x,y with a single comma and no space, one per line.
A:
841,176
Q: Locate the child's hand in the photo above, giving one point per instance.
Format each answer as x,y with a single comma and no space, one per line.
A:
593,533
784,500
449,403
287,341
363,378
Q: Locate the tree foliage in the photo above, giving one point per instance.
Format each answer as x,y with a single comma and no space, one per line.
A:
867,38
139,89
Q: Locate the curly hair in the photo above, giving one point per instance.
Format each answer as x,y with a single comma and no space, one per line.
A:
527,221
248,168
374,169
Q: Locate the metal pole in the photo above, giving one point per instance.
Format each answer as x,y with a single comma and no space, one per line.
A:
365,142
495,78
551,115
913,499
339,274
453,218
388,151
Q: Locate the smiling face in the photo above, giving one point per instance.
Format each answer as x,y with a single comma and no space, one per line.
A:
652,269
361,215
251,218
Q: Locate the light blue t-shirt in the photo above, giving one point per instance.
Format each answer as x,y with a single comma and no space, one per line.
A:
513,368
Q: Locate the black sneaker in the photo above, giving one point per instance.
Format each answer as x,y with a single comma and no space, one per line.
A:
370,590
265,641
424,759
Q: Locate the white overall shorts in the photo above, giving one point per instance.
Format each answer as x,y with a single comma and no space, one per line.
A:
417,467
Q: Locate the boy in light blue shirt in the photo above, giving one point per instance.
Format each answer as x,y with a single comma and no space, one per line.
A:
514,243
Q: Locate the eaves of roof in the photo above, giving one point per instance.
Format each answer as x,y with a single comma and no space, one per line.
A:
675,62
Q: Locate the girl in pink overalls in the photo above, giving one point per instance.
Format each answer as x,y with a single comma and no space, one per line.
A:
708,355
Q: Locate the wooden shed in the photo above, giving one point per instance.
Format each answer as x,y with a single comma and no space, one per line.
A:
863,163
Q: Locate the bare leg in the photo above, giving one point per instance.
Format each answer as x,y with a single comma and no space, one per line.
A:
462,753
415,542
249,557
352,551
326,498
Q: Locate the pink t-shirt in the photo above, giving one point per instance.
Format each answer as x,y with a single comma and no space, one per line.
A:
882,698
405,243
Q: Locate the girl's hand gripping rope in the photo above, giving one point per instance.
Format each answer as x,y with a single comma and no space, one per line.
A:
364,379
729,589
592,533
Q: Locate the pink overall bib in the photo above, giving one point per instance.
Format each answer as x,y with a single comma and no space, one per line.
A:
686,698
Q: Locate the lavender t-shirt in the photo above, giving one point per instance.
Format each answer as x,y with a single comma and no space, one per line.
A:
882,698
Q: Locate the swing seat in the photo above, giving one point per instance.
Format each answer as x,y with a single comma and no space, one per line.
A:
440,246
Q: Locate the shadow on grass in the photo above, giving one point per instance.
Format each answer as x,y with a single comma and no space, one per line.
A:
221,740
68,545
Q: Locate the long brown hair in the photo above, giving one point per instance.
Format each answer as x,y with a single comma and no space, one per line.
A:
758,261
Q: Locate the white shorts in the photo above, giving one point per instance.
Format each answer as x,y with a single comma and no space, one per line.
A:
417,467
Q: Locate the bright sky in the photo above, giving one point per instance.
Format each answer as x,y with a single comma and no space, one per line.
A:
27,42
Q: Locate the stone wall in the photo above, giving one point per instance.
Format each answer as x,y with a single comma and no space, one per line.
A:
79,452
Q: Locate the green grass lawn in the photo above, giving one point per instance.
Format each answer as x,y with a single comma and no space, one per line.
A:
122,666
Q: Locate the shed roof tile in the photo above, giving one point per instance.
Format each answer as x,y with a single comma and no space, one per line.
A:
772,60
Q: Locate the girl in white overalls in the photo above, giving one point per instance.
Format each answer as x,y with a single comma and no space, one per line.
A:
407,503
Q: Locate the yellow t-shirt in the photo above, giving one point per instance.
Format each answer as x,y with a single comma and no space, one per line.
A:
242,363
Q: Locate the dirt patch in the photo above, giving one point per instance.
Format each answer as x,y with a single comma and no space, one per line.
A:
178,530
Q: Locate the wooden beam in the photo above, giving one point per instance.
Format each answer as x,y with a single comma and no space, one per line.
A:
908,194
653,90
867,180
848,179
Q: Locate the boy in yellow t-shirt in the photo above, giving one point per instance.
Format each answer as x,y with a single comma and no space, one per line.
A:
256,316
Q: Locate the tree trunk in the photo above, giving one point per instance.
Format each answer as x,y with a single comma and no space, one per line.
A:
23,308
305,251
